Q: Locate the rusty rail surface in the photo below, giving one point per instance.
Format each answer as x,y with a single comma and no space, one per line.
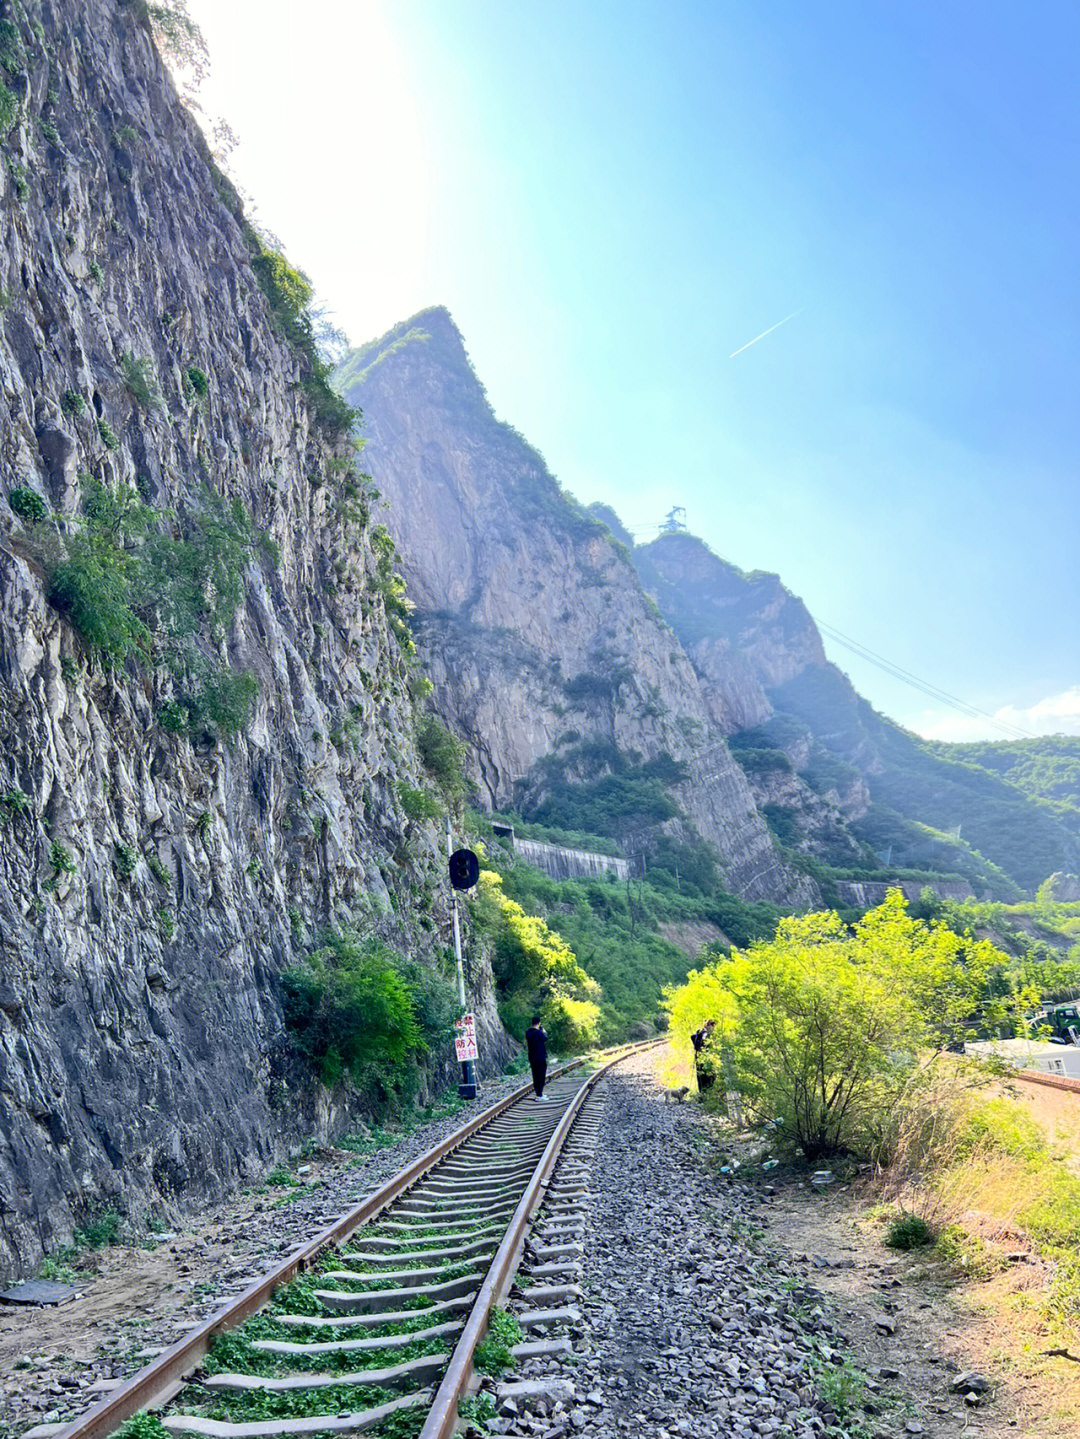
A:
157,1382
443,1415
1052,1081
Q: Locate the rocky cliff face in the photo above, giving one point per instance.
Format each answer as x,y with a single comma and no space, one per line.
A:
745,633
155,883
543,648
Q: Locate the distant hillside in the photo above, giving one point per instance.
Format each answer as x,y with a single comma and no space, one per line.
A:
1001,816
1047,768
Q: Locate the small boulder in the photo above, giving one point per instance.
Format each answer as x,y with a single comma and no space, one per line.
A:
971,1383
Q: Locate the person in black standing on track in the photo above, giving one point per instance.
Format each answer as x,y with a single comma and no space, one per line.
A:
536,1043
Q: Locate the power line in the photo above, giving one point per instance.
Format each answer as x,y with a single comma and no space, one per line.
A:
932,691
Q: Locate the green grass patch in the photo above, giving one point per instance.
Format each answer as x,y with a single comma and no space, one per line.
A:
909,1231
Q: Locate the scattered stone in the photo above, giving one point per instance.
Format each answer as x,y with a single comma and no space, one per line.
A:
38,1291
971,1383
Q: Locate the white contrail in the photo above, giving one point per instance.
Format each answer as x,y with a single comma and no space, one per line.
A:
767,332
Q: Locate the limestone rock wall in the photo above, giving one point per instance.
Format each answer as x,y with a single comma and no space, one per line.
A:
745,633
143,1058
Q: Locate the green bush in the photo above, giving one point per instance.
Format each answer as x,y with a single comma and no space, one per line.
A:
418,804
536,970
108,435
94,588
100,1232
226,702
9,110
351,1011
13,803
823,1027
909,1231
123,580
174,717
441,754
220,705
127,860
72,403
141,380
843,1388
61,859
27,504
12,48
197,380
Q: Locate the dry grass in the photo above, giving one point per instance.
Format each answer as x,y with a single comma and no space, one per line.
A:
995,1167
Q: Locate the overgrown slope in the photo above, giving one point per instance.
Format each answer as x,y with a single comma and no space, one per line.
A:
838,781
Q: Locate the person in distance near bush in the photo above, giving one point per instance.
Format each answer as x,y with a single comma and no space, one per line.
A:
536,1042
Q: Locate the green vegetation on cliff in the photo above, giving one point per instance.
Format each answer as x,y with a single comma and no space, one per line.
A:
615,930
535,970
356,1007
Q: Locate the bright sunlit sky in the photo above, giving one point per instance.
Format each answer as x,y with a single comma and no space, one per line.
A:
612,198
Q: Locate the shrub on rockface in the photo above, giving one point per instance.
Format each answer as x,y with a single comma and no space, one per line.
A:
536,971
137,582
290,297
357,1008
441,754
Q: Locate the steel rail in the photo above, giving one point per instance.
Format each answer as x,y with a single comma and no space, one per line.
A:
157,1382
443,1415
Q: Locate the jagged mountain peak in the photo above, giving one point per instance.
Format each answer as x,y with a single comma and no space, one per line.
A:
546,653
428,342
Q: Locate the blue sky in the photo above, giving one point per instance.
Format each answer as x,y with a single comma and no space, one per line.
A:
612,198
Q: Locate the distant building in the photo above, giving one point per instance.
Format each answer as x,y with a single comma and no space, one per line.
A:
1060,1059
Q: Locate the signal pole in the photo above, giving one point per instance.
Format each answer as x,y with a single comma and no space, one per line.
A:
467,1087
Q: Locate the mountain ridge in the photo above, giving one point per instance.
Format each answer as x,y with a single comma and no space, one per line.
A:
545,653
837,783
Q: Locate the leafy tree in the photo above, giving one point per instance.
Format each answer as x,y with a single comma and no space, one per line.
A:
352,1010
826,1028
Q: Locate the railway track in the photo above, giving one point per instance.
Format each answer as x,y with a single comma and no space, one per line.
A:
373,1326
